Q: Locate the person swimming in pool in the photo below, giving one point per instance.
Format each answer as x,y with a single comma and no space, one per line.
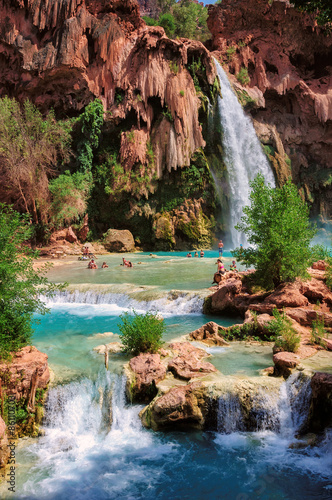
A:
126,263
92,265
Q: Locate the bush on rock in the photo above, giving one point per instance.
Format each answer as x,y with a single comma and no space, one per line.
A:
141,332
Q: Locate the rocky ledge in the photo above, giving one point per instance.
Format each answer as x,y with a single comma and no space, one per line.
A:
23,382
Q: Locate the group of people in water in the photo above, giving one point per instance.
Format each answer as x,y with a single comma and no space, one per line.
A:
86,254
92,264
201,254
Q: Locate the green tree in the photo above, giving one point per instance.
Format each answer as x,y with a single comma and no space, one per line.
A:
20,283
322,9
277,226
190,20
91,123
30,147
167,22
69,197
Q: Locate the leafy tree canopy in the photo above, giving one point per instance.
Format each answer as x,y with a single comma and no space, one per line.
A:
185,18
322,9
69,197
277,227
30,147
91,122
20,283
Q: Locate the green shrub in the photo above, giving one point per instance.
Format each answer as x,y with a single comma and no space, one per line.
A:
174,67
243,76
328,273
283,332
168,115
141,332
318,332
230,52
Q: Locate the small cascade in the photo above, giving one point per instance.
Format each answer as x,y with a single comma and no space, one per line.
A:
173,302
230,417
243,153
298,388
255,410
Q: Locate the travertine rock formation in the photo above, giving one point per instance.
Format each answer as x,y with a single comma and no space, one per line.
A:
16,376
63,53
288,58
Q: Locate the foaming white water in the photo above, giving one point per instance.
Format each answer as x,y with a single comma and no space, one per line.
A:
243,154
89,437
283,412
171,304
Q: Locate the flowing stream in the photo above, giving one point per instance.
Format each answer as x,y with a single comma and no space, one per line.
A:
243,153
95,447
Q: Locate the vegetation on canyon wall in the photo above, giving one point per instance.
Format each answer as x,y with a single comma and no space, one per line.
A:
19,282
185,18
322,9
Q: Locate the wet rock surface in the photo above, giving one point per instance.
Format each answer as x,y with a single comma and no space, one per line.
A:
146,371
210,334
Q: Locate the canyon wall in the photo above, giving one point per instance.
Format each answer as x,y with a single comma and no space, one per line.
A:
288,59
62,54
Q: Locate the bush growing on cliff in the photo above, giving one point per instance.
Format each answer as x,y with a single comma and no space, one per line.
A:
243,77
141,332
321,8
20,283
277,227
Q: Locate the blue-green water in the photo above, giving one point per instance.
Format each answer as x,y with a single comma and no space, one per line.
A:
84,456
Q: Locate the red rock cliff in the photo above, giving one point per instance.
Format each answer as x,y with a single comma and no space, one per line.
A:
63,53
289,61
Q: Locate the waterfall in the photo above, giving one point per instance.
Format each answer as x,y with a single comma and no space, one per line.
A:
243,153
168,303
283,412
229,414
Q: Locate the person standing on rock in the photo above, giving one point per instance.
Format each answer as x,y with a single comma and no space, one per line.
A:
220,247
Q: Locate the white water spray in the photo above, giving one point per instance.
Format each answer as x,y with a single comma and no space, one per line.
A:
243,154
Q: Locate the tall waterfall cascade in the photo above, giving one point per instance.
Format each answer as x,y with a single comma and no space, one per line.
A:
243,153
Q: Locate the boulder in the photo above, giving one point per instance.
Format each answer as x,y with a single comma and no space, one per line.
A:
328,343
288,295
186,368
145,371
321,265
83,232
224,299
119,241
284,363
71,236
16,375
187,350
179,408
316,290
209,334
320,412
4,450
306,316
